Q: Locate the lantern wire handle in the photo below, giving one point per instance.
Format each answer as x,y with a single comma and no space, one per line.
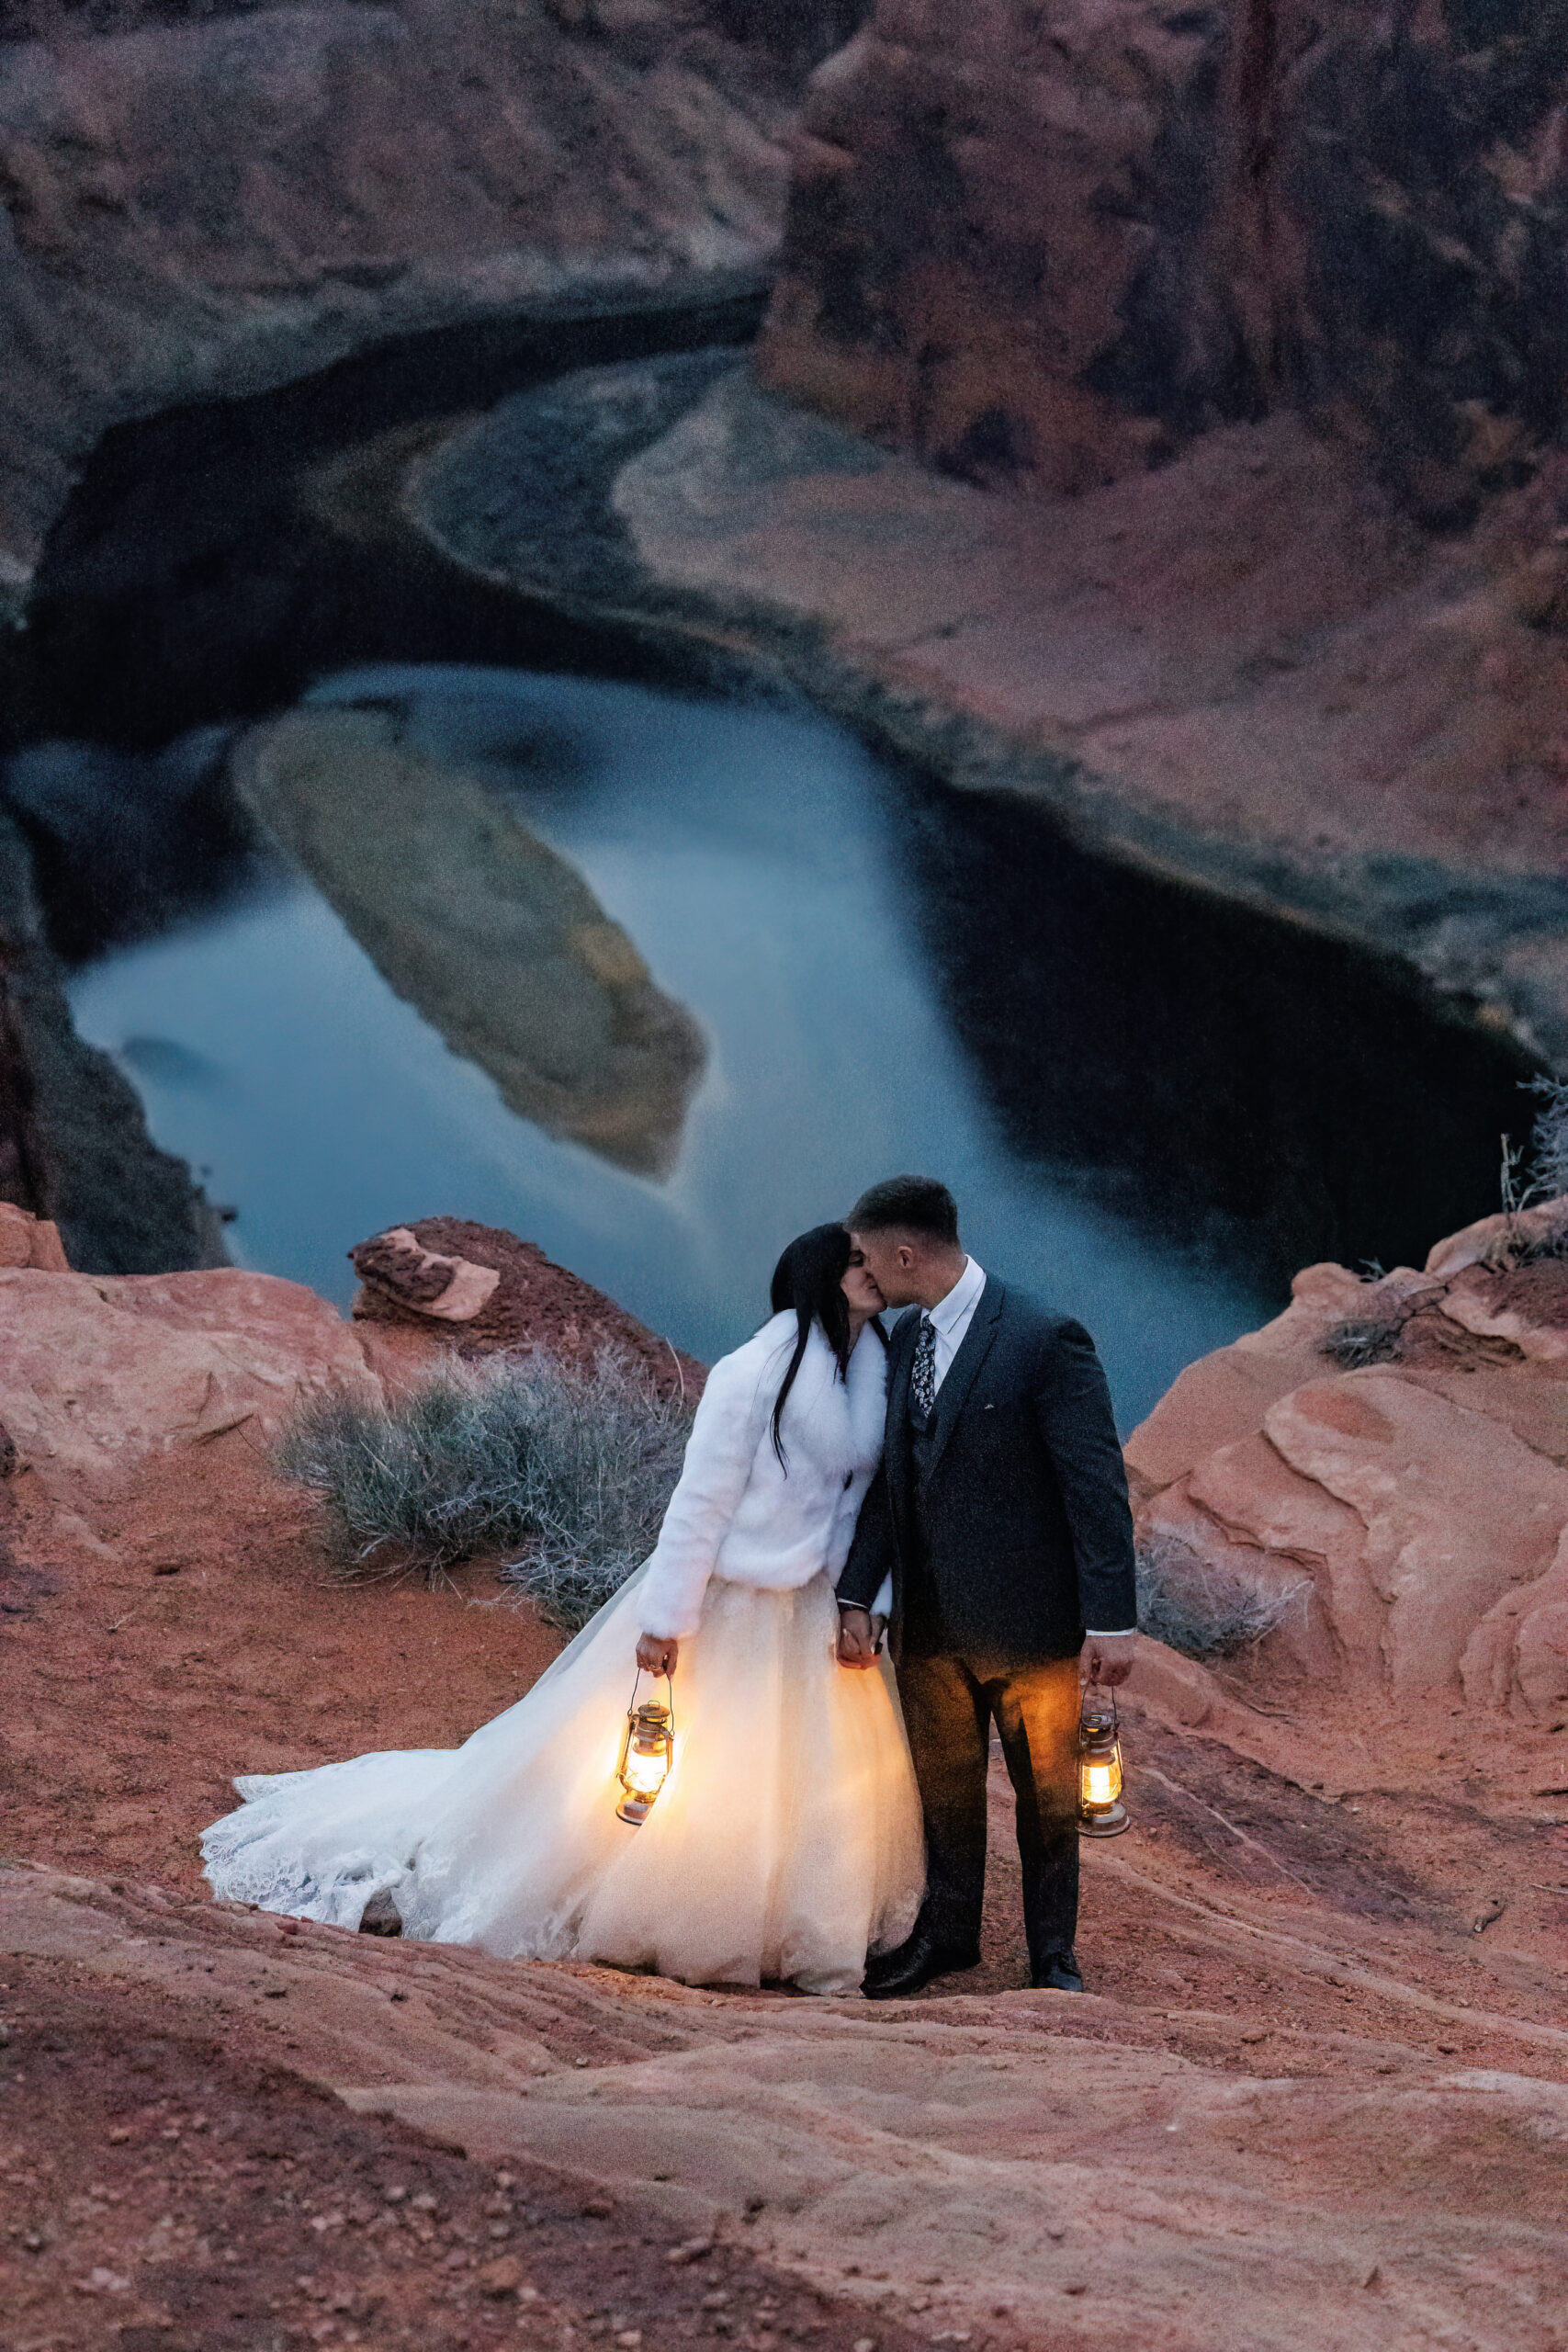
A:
637,1678
1093,1683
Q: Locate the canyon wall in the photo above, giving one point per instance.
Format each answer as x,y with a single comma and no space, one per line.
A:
1046,242
203,202
73,1145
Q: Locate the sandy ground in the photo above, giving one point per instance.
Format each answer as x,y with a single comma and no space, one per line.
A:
1342,2014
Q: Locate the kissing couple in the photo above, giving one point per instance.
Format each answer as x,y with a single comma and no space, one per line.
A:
957,1487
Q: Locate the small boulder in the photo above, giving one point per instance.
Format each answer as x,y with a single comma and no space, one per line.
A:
30,1241
380,1916
395,1264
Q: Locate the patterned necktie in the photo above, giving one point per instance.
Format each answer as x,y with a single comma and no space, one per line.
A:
922,1380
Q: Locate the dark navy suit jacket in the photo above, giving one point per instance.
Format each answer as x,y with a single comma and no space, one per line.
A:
1026,1532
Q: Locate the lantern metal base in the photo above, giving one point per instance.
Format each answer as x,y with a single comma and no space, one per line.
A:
634,1810
1110,1823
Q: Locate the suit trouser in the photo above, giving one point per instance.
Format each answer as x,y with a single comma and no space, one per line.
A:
949,1703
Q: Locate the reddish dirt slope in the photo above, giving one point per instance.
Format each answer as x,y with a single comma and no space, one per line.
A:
1317,2092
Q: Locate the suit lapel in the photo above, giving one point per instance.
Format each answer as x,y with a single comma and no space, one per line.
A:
976,1347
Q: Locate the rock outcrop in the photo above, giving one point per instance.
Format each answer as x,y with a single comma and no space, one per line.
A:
98,1375
1047,246
494,937
205,203
30,1241
1396,1452
1318,2083
102,1378
1008,2171
75,1150
528,1302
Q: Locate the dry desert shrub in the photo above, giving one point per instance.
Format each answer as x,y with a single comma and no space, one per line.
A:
1205,1609
1548,1181
572,1467
1362,1340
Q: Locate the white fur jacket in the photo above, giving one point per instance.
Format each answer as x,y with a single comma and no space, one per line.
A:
736,1512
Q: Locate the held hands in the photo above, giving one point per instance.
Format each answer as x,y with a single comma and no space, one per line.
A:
1107,1657
657,1653
860,1638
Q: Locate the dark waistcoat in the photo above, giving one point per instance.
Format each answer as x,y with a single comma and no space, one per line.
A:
924,1629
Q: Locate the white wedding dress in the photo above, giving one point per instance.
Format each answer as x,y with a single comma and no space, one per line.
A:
787,1841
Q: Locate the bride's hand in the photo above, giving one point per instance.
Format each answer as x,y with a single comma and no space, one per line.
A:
656,1653
857,1638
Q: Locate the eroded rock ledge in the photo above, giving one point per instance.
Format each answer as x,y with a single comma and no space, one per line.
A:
1321,2068
1246,671
1045,245
206,209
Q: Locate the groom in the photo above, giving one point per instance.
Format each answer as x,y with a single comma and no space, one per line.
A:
996,1528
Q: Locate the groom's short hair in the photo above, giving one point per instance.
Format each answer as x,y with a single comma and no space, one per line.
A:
908,1205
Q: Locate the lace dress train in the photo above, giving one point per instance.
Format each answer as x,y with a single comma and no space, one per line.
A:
786,1843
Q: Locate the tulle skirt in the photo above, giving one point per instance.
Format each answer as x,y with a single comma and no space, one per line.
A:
786,1842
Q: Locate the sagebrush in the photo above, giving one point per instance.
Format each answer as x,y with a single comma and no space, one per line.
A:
1205,1609
570,1466
1548,1181
1363,1341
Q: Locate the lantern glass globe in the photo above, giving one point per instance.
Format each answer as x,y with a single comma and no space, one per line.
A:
645,1768
648,1752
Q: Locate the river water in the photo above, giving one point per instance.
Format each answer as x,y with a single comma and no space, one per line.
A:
1152,1108
751,853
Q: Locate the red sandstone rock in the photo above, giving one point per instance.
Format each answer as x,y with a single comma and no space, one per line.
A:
1316,2085
1425,1498
96,1372
392,1265
1245,671
28,1241
535,1304
1048,244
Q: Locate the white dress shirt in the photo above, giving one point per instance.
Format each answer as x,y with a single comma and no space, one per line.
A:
950,1316
950,1319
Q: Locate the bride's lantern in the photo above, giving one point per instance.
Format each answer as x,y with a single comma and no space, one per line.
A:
1101,1813
648,1751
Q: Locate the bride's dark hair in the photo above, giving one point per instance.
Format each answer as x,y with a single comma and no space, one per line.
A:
808,1279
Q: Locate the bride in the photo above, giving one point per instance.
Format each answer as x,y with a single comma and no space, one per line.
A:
786,1841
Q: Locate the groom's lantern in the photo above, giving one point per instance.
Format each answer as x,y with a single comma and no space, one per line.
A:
1101,1813
648,1752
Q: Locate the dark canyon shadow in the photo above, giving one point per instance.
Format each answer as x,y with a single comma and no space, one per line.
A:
216,559
1240,1088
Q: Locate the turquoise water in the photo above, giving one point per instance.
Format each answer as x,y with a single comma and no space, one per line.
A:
754,853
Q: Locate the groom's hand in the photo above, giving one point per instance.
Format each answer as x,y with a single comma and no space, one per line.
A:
656,1654
1107,1657
857,1638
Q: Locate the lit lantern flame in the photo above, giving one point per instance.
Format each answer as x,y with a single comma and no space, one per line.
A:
648,1751
1101,1813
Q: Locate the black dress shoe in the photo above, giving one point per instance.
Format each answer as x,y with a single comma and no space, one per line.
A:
913,1965
1057,1972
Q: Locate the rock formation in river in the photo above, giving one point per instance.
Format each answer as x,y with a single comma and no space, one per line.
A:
204,201
497,940
1048,244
